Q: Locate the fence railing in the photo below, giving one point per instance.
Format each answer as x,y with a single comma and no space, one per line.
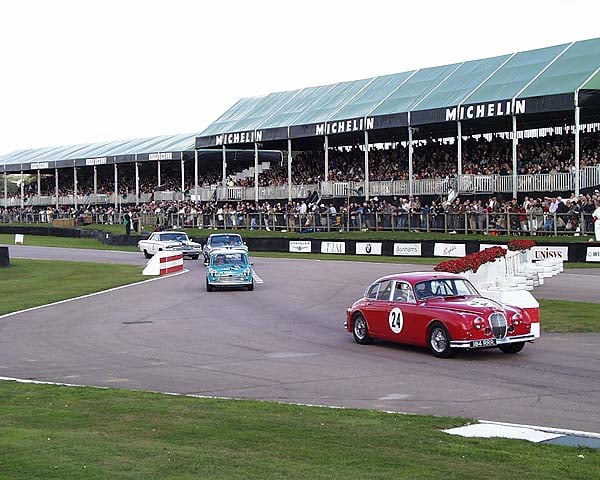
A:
466,184
451,223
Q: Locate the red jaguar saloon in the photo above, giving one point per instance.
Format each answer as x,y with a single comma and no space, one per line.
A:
441,311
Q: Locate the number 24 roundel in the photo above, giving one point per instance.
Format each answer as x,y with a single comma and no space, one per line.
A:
396,320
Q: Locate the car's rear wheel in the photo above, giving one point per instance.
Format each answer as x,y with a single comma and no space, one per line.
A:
146,254
438,340
360,330
512,347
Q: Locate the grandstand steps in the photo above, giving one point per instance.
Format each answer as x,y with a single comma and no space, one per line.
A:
249,172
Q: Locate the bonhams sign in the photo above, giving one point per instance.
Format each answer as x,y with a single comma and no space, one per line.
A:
39,165
161,156
485,110
95,161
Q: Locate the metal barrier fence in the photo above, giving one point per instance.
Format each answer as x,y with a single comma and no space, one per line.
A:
466,184
465,223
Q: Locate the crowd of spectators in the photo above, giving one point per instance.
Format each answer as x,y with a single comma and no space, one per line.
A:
431,159
492,215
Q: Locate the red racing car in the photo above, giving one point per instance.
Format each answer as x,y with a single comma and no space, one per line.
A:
442,311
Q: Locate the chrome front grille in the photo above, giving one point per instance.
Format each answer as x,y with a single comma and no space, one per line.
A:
499,325
231,279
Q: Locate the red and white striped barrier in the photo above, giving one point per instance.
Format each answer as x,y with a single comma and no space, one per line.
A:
163,263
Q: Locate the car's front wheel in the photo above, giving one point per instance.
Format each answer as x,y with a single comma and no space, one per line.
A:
438,340
360,330
209,287
146,254
512,347
251,286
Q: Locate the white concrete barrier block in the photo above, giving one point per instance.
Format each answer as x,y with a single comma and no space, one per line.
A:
164,263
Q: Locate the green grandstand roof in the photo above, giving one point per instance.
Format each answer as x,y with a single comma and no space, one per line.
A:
49,157
529,82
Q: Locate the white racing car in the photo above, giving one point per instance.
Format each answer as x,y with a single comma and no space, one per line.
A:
172,242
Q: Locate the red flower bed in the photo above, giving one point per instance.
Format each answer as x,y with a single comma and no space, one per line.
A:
471,262
520,245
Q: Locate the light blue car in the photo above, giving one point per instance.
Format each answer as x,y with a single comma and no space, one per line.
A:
229,268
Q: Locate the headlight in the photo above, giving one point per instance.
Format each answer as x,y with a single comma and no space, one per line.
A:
478,323
517,319
248,272
212,272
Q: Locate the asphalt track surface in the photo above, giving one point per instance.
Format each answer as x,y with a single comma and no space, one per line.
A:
285,342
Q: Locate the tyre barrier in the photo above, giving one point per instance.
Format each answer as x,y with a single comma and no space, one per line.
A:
163,263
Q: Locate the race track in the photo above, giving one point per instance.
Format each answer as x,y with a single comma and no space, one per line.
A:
284,341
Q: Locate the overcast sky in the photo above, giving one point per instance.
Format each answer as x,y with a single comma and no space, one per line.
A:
76,72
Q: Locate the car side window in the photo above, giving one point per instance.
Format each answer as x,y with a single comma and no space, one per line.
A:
403,293
372,292
384,290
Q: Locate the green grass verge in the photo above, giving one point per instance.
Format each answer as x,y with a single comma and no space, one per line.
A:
383,259
65,242
72,433
350,258
52,281
371,235
569,317
47,241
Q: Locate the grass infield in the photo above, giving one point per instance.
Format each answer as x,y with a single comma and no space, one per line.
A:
65,242
58,432
30,283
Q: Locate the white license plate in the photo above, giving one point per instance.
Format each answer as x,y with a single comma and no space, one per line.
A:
487,342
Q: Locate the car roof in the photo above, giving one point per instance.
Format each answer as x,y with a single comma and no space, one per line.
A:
212,235
170,231
227,251
416,277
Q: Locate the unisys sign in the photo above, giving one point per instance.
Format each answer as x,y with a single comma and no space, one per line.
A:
550,252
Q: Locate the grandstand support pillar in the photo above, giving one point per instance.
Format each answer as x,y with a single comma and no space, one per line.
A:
367,187
56,185
289,169
116,188
256,174
158,173
577,153
95,180
326,151
459,148
515,142
410,162
5,190
22,189
75,192
224,176
39,183
196,175
182,178
137,183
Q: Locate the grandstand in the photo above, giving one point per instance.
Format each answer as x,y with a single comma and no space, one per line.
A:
382,136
